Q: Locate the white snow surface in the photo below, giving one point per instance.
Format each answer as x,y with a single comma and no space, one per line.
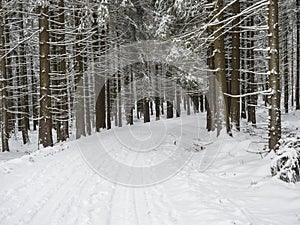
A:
222,184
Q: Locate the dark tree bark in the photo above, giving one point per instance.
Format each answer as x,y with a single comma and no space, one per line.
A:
100,110
178,101
157,93
87,105
128,103
119,100
188,102
251,101
23,90
201,103
286,72
274,77
170,110
79,69
99,41
63,118
108,105
195,100
209,121
220,74
209,103
297,88
146,110
9,77
235,66
4,122
45,121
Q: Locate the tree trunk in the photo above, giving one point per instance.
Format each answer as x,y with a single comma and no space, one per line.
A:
274,77
63,118
108,105
128,103
99,42
195,100
45,121
157,93
297,88
251,101
119,100
220,74
209,101
79,69
209,120
188,111
201,103
146,110
87,105
170,109
286,72
178,101
4,122
235,66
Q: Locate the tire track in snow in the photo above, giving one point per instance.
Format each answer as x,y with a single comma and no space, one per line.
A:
43,189
55,201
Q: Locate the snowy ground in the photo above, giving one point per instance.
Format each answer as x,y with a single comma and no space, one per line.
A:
222,184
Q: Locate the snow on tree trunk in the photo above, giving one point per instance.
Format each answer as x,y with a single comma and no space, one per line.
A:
274,77
235,65
220,73
45,120
4,122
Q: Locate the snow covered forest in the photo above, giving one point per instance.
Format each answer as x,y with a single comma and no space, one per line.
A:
196,101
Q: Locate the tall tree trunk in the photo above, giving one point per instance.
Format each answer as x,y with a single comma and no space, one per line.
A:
79,70
23,89
100,108
157,92
87,105
209,121
201,103
169,109
220,74
128,104
209,101
63,118
146,110
119,100
292,69
297,88
178,101
45,121
188,110
9,83
286,72
99,41
195,100
235,67
108,105
4,121
243,82
274,77
170,93
251,101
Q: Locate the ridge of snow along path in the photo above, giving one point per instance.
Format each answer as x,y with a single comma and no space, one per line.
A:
220,184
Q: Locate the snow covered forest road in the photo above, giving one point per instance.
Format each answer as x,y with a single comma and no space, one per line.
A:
56,186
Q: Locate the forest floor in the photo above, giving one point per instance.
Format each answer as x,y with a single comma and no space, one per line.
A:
225,181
